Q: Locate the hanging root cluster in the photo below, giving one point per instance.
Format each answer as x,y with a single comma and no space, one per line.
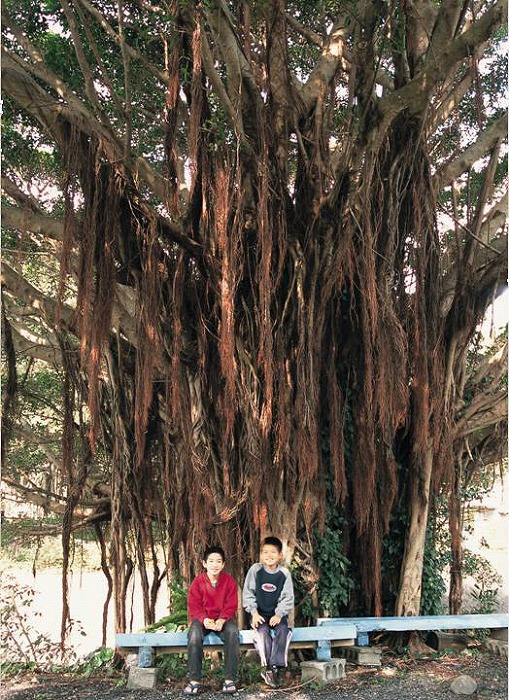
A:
287,338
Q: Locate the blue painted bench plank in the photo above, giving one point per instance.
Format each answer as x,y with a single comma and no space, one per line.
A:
418,622
147,642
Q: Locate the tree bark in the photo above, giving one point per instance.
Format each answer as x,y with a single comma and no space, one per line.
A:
456,528
408,601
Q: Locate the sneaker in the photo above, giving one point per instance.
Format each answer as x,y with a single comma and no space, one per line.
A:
276,671
269,677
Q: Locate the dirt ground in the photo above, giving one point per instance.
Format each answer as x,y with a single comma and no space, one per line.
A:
399,678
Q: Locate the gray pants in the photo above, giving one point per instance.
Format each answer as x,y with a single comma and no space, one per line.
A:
272,643
230,636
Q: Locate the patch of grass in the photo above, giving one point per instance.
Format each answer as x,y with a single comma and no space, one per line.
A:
9,669
315,686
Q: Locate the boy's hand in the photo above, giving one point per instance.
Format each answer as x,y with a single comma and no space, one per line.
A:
219,624
256,619
209,623
274,620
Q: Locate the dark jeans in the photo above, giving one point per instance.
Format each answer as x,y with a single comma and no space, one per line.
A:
230,636
272,643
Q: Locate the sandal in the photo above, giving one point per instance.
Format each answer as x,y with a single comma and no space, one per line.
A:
192,688
229,688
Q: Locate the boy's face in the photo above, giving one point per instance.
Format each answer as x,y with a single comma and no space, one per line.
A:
214,564
270,556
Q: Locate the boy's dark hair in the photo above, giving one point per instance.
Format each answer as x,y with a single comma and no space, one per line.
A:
213,549
275,542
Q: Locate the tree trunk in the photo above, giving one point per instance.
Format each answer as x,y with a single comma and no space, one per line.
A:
409,595
455,528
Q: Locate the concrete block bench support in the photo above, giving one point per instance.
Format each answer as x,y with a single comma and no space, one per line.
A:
323,671
143,678
362,656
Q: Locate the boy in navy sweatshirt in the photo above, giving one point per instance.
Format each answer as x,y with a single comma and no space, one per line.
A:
212,606
268,597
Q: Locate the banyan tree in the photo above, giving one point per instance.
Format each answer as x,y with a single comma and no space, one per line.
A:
271,230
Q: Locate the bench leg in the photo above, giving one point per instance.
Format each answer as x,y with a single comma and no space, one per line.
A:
145,657
362,639
323,650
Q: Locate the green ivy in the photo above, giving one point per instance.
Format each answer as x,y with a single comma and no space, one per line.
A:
436,557
336,584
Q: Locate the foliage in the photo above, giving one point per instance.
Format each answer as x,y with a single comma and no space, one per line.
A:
99,661
24,543
32,453
178,618
392,556
486,583
436,558
23,646
171,666
335,583
249,670
305,609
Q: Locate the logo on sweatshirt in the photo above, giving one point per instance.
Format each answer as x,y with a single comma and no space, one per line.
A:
269,587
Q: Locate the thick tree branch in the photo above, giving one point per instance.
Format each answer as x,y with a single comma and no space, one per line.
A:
38,222
483,144
280,82
86,70
92,44
415,95
484,197
53,114
42,305
38,67
243,92
420,19
54,503
487,412
490,255
450,100
220,90
327,66
316,39
447,23
30,345
13,191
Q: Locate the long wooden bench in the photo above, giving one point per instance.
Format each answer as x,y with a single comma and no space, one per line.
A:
429,623
328,632
321,638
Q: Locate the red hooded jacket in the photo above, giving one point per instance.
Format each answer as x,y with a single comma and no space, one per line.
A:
206,601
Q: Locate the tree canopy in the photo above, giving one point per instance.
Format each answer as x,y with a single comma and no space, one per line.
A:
253,241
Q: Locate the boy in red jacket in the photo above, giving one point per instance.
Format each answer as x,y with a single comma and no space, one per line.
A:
212,607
